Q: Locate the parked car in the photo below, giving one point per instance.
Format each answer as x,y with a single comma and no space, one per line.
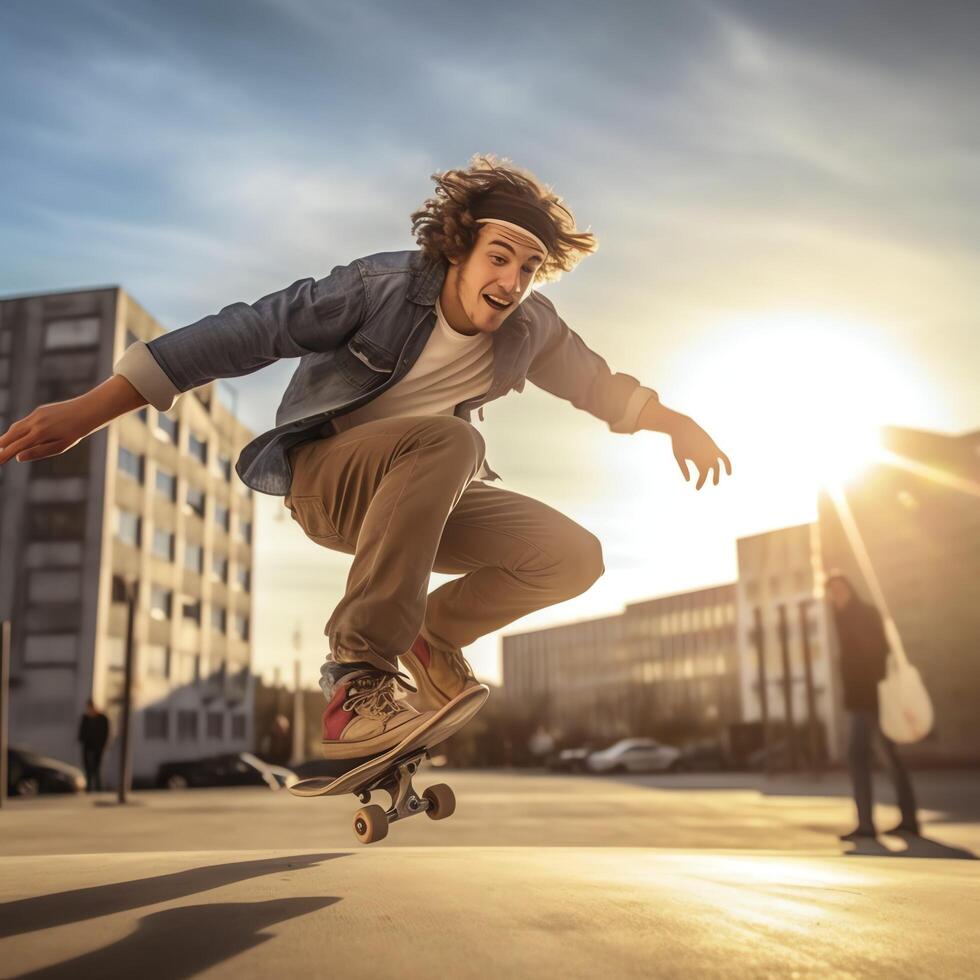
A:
703,758
29,774
635,755
239,769
570,760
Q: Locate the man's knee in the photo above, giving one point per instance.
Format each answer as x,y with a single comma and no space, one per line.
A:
583,563
457,434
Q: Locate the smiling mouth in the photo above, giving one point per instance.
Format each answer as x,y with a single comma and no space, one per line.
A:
496,304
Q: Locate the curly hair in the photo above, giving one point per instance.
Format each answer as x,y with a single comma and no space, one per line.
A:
444,227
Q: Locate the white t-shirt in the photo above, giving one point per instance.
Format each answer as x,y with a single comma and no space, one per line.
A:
451,369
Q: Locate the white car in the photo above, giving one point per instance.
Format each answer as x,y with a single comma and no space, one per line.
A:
635,755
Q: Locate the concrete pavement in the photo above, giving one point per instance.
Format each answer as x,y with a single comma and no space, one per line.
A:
536,875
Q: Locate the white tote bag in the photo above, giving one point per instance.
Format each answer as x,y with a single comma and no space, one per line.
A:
904,705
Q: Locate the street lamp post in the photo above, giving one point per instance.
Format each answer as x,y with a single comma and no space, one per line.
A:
4,704
130,592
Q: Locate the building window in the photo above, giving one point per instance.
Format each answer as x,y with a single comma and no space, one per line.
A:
115,652
156,723
128,527
54,586
50,648
216,724
192,610
169,427
163,544
161,602
196,500
131,464
219,618
222,516
56,522
78,331
198,448
186,726
241,626
243,576
223,465
245,530
238,726
74,462
188,668
166,484
219,568
194,558
157,660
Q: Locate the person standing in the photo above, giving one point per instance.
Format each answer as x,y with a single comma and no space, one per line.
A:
93,733
863,654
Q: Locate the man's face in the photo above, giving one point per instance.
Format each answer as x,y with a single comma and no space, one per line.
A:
483,289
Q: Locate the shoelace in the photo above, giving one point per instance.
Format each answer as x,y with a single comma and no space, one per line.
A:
373,696
460,666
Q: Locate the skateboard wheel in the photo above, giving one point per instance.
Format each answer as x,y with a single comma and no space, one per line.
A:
370,824
442,802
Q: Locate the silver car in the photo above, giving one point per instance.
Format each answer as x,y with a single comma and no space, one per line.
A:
635,755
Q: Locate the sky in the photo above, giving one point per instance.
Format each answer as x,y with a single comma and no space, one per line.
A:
785,197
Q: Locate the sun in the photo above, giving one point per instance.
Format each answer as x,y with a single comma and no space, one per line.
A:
799,395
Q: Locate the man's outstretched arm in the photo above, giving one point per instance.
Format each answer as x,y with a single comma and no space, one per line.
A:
567,367
55,428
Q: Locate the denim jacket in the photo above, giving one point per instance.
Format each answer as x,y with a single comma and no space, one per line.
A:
358,332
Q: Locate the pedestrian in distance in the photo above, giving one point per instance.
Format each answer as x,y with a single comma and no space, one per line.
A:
93,734
863,654
373,450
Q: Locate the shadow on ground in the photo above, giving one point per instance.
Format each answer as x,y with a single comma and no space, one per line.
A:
185,941
916,847
45,911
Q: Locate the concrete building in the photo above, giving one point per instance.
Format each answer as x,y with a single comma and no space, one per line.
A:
153,497
918,516
780,589
665,667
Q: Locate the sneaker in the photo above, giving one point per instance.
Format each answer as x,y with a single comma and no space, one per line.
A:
365,716
859,833
441,675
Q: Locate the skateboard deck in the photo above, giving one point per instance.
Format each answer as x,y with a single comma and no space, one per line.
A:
392,771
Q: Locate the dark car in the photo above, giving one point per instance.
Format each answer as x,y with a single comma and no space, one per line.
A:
703,758
238,769
29,773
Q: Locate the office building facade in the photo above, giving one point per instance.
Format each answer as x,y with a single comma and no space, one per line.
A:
151,498
666,667
784,620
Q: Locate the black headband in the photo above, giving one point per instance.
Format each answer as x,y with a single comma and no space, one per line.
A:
519,211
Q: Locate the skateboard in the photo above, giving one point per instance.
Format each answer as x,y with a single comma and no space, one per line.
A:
392,771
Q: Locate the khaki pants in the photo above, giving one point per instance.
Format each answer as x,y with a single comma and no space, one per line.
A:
399,495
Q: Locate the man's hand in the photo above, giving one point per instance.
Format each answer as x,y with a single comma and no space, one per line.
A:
691,442
51,429
47,431
689,439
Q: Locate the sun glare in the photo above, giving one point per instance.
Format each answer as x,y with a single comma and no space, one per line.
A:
801,394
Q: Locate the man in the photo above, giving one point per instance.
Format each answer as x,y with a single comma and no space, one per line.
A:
373,450
863,654
93,733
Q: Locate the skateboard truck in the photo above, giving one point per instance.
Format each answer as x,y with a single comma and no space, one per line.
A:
437,802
